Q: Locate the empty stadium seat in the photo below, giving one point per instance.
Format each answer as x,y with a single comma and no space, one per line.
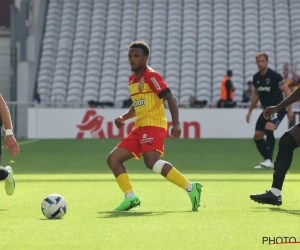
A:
193,43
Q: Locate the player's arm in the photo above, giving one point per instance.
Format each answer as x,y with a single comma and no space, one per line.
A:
159,86
287,92
173,107
129,114
5,115
289,99
293,97
10,141
119,122
254,101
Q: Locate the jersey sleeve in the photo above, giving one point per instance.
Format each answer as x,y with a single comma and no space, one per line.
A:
279,80
158,84
130,79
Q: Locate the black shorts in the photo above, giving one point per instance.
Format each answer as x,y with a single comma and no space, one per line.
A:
275,118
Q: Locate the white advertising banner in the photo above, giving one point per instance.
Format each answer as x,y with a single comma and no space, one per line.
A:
99,123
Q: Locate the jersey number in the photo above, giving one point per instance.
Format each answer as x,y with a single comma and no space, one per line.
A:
273,116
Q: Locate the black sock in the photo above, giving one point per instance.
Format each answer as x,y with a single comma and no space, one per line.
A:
262,147
270,143
3,173
287,144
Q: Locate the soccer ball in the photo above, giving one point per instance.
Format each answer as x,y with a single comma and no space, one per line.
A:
54,206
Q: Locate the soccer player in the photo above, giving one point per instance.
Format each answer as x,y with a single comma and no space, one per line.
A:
268,88
287,143
10,143
147,91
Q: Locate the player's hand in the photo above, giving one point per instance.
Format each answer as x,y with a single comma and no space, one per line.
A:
248,116
176,131
268,111
290,115
11,143
119,122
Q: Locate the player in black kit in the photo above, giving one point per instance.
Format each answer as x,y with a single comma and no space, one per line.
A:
287,144
268,88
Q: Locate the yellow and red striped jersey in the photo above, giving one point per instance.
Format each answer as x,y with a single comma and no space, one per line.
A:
146,93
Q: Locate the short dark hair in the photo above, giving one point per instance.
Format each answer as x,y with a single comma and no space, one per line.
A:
259,54
249,83
140,45
229,72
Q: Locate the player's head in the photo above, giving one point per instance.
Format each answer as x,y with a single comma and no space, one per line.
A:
192,100
229,73
138,53
262,61
249,84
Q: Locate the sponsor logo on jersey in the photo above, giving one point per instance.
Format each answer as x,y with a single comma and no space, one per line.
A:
267,89
140,102
147,140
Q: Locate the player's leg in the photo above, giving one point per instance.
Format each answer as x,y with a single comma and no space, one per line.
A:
271,125
116,158
152,161
152,143
123,152
7,175
270,143
287,143
259,137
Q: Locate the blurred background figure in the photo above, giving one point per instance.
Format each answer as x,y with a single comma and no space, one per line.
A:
93,104
227,92
290,76
287,75
248,92
193,103
96,104
127,103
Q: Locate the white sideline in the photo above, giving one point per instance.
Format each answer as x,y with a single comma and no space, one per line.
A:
26,142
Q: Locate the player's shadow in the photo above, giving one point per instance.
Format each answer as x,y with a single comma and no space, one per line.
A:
278,210
134,213
2,210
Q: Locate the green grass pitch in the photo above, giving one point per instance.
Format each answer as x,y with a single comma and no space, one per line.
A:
77,170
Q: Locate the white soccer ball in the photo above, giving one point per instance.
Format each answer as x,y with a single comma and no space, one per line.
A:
54,206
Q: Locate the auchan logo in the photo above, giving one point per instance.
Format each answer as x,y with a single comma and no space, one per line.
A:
99,127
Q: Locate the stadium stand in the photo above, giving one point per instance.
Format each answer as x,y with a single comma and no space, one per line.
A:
193,43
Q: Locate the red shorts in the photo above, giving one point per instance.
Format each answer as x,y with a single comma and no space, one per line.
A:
144,139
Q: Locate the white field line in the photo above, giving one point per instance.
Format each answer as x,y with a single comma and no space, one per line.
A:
27,142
